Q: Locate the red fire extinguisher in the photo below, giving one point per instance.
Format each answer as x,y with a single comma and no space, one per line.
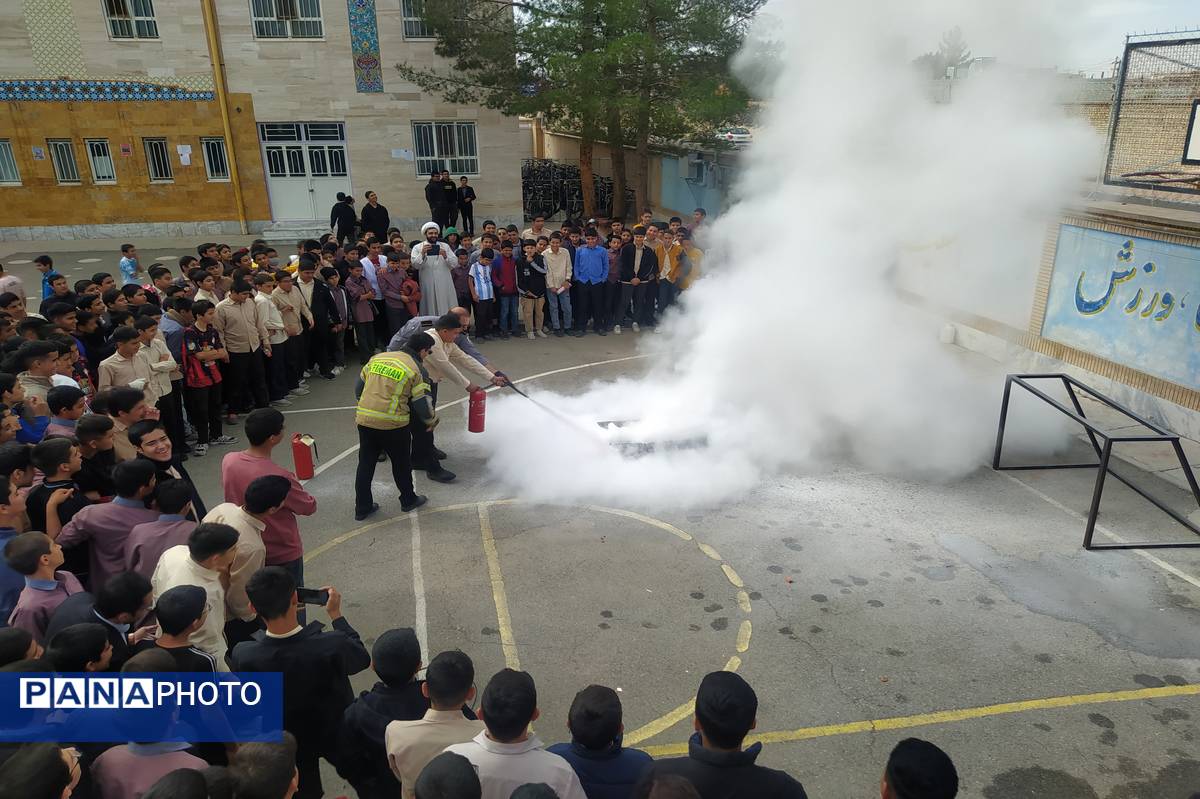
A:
477,411
304,454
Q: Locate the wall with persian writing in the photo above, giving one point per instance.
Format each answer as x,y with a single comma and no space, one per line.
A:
1131,300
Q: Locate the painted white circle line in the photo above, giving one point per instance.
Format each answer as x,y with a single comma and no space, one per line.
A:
21,261
164,258
89,260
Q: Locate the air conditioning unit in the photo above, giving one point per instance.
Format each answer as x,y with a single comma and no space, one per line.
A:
692,168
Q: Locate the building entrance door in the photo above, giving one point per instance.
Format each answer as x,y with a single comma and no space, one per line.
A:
306,166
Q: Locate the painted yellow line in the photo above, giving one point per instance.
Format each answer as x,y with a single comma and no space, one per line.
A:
743,600
668,720
743,639
732,575
650,520
503,620
707,550
949,716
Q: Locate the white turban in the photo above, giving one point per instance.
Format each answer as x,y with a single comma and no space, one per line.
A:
429,225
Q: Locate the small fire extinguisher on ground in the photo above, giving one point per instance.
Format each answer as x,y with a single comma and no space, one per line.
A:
477,410
304,455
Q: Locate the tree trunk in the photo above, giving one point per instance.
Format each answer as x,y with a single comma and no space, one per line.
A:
641,163
587,177
616,146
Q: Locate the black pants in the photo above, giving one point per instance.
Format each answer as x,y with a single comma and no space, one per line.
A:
293,357
248,381
591,305
483,317
204,409
170,412
320,342
452,218
441,215
277,385
468,219
397,444
422,437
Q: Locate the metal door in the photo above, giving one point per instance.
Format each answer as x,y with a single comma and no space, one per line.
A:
306,166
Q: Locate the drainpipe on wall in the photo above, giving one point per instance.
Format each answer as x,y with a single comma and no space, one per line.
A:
217,60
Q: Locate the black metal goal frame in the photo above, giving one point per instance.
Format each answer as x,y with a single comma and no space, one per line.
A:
1103,452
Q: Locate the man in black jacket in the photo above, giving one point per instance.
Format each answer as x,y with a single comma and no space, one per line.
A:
116,606
449,199
639,265
342,218
320,303
433,196
375,217
726,712
316,667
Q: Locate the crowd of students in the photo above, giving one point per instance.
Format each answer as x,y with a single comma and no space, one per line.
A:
113,562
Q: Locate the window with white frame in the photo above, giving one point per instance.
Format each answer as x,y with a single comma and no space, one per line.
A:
287,19
158,160
446,145
131,19
62,155
9,174
100,160
414,23
216,164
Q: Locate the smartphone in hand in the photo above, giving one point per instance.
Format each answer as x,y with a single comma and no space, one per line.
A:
312,596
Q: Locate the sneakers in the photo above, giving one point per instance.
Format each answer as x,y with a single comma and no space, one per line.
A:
281,403
530,336
437,453
221,441
540,334
636,329
359,515
617,329
330,376
337,370
601,332
308,373
299,392
505,335
558,332
417,502
200,450
302,383
577,333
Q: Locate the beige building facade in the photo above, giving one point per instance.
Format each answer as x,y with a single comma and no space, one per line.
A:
115,121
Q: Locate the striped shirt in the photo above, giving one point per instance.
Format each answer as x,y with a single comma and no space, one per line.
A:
481,279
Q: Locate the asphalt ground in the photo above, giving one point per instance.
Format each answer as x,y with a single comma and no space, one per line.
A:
863,609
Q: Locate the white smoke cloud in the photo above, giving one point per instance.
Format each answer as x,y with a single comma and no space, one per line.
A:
794,350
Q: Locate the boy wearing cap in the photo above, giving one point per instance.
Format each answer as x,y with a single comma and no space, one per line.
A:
726,712
181,611
396,658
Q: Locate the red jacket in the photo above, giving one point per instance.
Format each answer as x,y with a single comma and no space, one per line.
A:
504,275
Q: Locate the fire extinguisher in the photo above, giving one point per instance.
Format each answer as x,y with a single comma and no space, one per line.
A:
304,454
477,411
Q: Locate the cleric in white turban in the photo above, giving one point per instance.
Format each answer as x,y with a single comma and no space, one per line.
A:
434,260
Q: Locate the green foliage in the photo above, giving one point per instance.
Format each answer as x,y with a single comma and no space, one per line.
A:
663,65
951,52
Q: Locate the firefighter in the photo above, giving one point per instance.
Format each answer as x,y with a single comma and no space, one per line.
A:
392,389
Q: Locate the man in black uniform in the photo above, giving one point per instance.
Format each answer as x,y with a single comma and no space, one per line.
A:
449,200
466,205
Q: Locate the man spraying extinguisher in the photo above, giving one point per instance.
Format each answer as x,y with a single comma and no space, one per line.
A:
392,391
447,361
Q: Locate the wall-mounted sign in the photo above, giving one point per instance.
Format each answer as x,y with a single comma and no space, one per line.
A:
126,150
39,154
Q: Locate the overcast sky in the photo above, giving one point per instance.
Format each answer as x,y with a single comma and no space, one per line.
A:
1101,34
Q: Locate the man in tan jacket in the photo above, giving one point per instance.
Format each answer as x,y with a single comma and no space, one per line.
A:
446,361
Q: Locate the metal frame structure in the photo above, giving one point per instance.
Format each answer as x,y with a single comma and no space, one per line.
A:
1154,179
1103,452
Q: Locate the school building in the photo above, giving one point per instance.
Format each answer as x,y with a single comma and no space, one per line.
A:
128,118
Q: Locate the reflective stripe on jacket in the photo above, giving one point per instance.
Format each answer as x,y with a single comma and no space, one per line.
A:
390,381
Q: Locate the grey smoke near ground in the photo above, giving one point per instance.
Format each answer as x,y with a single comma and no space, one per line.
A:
797,348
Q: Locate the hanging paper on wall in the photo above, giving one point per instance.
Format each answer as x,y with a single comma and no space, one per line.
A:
403,153
185,153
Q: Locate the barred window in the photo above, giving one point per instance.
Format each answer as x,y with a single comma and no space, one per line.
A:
216,164
446,145
287,19
131,19
62,155
9,174
414,22
100,160
158,160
